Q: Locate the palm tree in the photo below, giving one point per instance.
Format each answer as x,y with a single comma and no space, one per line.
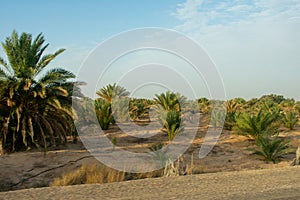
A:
169,106
37,102
232,106
103,112
170,101
254,125
290,119
110,91
204,105
139,108
172,123
272,148
114,94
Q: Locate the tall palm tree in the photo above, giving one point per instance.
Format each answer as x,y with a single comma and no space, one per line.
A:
37,102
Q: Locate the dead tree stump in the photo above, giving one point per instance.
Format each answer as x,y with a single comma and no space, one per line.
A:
296,160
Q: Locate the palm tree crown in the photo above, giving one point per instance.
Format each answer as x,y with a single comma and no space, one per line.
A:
37,102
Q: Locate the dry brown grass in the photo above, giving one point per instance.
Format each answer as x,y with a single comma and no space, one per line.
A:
89,174
93,173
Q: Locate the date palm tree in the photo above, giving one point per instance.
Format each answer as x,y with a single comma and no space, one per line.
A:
272,148
36,100
169,107
139,108
170,101
114,95
204,105
103,112
254,126
290,119
110,91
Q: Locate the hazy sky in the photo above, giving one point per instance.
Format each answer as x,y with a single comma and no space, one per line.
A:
255,44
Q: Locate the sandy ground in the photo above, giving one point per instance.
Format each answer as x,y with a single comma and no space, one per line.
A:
36,169
282,183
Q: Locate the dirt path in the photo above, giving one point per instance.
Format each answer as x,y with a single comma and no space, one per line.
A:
281,183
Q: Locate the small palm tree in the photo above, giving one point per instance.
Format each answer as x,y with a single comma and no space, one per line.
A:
170,101
272,148
120,109
172,123
37,102
230,120
139,108
103,112
110,91
217,118
254,125
204,105
232,105
169,105
290,119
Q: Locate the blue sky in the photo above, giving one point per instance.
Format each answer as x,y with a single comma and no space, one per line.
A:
254,43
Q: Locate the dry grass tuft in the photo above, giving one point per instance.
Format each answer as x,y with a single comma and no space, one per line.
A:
89,174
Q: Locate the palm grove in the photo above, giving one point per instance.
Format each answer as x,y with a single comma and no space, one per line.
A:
36,105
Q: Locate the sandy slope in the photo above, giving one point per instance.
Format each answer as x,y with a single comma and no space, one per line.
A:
281,183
